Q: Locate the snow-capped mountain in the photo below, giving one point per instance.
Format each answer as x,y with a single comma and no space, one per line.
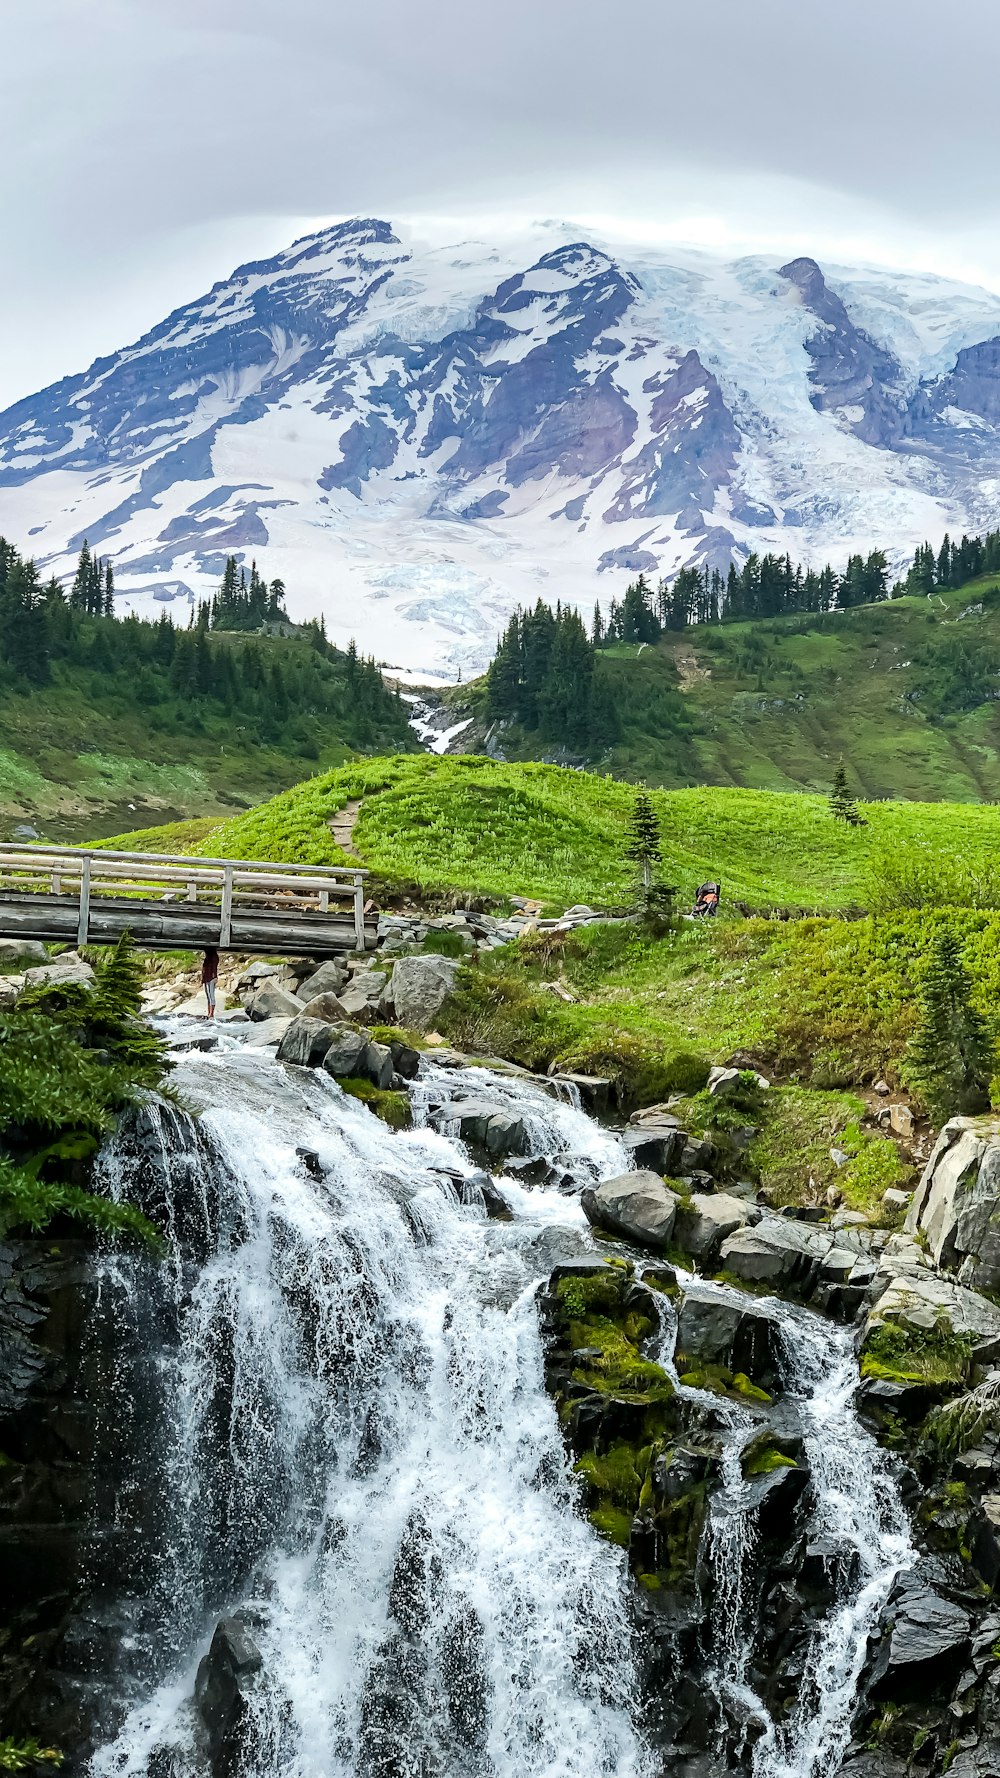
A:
417,437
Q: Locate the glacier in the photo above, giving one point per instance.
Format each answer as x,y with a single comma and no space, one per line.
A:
417,435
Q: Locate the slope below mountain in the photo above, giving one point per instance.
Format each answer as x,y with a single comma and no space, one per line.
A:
907,693
420,435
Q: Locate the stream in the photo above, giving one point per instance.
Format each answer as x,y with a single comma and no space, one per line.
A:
336,1416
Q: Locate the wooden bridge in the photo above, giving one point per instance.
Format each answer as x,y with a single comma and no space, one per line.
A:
64,894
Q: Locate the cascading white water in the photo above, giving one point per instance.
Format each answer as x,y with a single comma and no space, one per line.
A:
856,1514
358,1452
361,1452
859,1512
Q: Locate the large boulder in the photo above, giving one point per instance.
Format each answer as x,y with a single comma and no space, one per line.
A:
271,1001
957,1203
925,1641
329,978
777,1252
325,1006
260,1035
712,1329
67,971
306,1041
595,1090
704,1222
365,997
420,987
636,1205
227,1680
345,1055
24,953
656,1145
484,1124
923,1300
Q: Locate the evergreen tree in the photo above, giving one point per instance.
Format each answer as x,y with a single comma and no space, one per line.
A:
843,806
642,839
950,1058
81,580
109,591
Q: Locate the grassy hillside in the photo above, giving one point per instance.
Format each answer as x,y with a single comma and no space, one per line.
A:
470,825
905,691
97,748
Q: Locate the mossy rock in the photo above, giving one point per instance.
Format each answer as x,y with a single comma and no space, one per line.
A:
762,1456
895,1352
719,1381
393,1108
612,1523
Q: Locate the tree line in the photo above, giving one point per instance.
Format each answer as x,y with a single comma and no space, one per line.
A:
179,675
543,676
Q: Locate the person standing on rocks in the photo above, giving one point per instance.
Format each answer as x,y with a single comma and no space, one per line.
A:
209,977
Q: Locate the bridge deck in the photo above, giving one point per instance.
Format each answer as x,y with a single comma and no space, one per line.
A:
70,895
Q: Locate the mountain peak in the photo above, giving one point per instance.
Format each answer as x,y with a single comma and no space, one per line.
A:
419,436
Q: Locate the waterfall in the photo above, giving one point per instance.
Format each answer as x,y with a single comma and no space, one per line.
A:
358,1453
344,1439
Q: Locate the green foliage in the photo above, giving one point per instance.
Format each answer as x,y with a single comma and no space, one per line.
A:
951,1055
70,1060
895,1350
97,711
19,1756
762,1456
954,1426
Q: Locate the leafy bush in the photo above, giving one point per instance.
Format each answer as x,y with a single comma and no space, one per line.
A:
70,1060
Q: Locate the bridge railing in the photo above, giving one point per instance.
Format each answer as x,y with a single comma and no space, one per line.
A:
231,884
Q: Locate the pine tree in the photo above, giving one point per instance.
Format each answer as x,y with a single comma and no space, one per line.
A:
642,838
951,1056
109,591
81,580
842,804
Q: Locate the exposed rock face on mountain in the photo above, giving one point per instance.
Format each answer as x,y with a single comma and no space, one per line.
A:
852,376
417,436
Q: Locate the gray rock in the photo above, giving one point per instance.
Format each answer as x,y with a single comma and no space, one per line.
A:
921,1299
26,951
594,1090
723,1082
67,971
376,1064
324,1006
778,1252
705,1220
420,987
227,1680
365,997
405,1059
271,1001
487,1125
957,1203
896,1200
264,1032
329,978
925,1641
306,1041
742,1336
986,1540
901,1120
345,1056
657,1146
636,1205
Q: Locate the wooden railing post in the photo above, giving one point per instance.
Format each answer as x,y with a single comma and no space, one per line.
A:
359,911
84,922
226,926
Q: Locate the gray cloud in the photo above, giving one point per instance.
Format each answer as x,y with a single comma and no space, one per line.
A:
157,141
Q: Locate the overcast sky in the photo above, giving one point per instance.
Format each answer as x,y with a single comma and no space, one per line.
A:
151,145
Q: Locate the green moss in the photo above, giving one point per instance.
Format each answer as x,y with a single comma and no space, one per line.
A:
719,1381
613,1475
393,1108
618,1368
612,1523
899,1353
415,1040
762,1456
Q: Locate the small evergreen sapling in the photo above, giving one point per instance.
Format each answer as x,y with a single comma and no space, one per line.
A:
951,1056
642,845
642,838
842,804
